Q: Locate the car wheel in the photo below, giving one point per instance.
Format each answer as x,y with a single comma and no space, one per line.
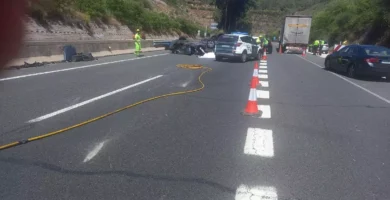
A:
327,65
218,58
243,57
351,71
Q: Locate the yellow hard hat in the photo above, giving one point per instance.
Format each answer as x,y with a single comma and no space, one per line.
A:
345,42
261,36
137,30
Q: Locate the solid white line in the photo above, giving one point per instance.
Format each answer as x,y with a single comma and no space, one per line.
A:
74,68
265,111
263,76
262,94
90,100
264,71
259,142
351,82
264,83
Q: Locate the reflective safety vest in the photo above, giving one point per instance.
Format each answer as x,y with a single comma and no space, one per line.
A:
258,41
322,42
316,43
265,41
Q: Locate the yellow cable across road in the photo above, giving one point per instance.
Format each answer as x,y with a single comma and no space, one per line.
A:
46,135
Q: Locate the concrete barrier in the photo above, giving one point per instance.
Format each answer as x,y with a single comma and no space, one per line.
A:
53,51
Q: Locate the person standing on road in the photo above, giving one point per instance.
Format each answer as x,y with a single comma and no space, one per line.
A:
265,44
316,46
322,43
137,40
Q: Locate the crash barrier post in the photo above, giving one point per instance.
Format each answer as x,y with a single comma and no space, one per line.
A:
280,49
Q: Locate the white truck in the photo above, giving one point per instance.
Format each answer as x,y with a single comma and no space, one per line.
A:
295,33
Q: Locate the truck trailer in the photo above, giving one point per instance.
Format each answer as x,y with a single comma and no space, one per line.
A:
295,33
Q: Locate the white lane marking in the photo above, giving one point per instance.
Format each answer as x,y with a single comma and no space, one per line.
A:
263,61
263,67
262,94
245,192
94,151
90,100
262,64
265,111
263,76
264,83
259,142
351,82
263,71
75,68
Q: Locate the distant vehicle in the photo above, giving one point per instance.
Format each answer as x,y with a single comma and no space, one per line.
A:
294,35
360,60
236,46
325,49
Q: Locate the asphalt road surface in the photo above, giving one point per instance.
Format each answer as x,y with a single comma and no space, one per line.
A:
321,135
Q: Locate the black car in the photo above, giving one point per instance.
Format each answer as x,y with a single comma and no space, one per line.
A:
184,46
360,60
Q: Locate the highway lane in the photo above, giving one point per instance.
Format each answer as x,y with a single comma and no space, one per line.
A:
325,138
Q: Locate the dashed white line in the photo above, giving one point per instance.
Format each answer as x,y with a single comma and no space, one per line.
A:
245,192
263,67
263,71
264,83
351,82
263,76
262,94
263,64
259,142
265,111
75,68
90,100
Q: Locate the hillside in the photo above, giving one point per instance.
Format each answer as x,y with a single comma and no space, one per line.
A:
155,17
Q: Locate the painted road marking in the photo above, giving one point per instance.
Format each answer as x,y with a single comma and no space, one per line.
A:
264,83
263,76
263,67
263,71
94,151
75,68
263,61
91,100
245,192
265,111
262,94
259,142
351,82
263,64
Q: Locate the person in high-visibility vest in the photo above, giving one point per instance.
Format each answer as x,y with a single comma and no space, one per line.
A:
322,43
258,40
315,46
265,44
137,41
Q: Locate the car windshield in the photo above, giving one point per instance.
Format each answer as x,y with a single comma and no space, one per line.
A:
228,38
377,51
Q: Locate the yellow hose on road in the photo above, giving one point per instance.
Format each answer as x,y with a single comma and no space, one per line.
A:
185,66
